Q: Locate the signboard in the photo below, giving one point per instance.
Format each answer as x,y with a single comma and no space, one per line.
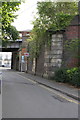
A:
22,58
26,54
23,51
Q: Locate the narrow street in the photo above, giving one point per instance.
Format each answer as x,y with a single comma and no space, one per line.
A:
0,106
0,95
25,98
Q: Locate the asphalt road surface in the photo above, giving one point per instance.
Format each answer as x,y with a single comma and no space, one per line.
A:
24,98
0,106
0,95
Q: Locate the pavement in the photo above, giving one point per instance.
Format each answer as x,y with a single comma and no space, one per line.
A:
64,88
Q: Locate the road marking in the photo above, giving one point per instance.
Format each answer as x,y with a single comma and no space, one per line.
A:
28,79
51,90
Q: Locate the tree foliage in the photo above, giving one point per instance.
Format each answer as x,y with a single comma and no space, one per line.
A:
56,15
8,10
51,15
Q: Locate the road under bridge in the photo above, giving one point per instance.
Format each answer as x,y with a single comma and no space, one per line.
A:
14,48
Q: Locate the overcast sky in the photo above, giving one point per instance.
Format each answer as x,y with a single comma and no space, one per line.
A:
27,12
24,19
26,15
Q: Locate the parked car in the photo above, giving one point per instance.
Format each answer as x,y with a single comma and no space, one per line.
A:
3,65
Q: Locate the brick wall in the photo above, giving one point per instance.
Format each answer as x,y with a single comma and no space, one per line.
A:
70,57
72,32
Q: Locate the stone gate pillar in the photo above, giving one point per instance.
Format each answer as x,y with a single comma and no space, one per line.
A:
53,57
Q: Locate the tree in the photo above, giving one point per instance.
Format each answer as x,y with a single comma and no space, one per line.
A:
51,15
56,15
8,10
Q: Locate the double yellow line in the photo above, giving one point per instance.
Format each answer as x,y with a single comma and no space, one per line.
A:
50,90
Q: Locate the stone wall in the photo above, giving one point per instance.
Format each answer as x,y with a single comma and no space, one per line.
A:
50,58
56,56
53,56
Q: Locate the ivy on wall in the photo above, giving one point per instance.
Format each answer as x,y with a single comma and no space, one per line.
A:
73,46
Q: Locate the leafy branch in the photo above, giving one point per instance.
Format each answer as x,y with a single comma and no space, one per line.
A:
50,15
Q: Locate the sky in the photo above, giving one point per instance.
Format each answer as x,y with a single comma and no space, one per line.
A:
24,19
26,15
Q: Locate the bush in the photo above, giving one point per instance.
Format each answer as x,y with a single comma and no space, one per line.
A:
74,76
61,75
71,76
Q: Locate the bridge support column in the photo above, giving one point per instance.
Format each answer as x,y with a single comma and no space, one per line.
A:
12,61
15,61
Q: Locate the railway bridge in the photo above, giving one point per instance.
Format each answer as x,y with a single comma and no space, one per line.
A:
14,48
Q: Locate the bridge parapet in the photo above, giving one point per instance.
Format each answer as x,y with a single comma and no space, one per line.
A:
11,44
